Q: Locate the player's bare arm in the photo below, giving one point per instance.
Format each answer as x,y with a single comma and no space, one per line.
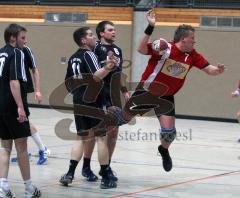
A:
16,92
142,49
214,69
36,78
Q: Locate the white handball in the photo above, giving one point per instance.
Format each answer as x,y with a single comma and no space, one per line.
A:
160,45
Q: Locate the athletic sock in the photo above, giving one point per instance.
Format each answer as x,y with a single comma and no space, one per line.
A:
37,139
162,150
4,184
103,170
86,162
28,185
72,167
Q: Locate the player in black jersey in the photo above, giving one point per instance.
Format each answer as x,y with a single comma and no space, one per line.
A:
30,64
14,125
113,84
83,65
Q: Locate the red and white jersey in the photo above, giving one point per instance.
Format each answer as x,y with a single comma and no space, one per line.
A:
165,74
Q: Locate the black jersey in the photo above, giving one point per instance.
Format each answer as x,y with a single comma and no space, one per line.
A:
81,63
113,79
30,64
11,68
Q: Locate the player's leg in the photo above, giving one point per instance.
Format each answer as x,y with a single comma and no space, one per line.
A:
5,151
168,131
88,149
21,132
112,136
103,158
82,126
86,169
23,162
76,155
43,151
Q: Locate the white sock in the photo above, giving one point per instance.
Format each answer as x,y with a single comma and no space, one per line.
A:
37,139
28,185
4,184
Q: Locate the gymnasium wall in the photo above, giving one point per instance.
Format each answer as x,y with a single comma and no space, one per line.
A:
50,42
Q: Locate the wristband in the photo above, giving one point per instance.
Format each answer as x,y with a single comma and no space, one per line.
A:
149,30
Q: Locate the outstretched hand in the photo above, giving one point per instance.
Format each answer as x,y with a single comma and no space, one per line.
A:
151,17
235,94
221,68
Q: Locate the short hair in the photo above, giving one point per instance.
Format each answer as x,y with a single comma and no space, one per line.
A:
101,27
13,30
182,31
79,34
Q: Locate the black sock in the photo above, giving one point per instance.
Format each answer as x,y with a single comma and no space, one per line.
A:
162,150
109,162
104,170
86,162
72,166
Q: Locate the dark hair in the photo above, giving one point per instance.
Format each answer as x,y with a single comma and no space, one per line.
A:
101,27
13,30
182,31
79,34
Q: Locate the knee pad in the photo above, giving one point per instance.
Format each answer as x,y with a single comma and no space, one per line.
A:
168,134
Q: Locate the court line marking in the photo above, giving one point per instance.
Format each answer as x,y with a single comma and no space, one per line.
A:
233,173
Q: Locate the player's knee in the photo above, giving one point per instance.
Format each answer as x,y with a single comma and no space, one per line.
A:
168,134
5,149
113,133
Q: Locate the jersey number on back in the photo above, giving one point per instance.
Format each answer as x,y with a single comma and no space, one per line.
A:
2,62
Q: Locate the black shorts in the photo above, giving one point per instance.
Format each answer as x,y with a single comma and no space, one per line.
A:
87,117
84,124
10,128
142,102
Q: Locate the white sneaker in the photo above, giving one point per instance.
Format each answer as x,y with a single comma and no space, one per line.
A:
33,193
7,194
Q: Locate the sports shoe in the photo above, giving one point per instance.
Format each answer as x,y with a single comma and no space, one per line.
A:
110,174
90,176
43,156
166,159
7,194
32,193
66,179
108,183
118,112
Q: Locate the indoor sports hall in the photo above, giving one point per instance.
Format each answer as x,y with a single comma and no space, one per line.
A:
206,150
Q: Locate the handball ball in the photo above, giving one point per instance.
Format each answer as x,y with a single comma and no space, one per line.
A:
160,45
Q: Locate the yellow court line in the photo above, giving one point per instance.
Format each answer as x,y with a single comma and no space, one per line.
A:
21,20
28,20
